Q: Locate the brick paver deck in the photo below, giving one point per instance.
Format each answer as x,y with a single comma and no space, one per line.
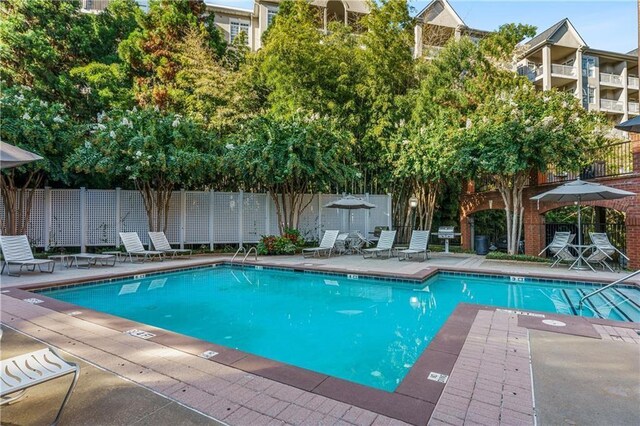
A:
491,380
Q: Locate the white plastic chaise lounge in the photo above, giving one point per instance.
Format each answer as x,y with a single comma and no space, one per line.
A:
160,243
17,251
24,371
417,246
385,245
133,247
603,250
326,245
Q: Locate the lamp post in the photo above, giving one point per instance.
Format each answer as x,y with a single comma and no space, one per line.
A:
413,203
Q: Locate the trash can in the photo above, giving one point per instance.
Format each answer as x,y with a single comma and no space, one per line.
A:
481,243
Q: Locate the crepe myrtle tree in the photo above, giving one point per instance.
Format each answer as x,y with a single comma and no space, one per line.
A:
41,127
520,131
291,157
158,152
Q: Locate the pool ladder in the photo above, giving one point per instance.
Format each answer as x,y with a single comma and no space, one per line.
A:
247,253
620,281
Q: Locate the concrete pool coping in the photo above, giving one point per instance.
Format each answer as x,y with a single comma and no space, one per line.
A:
414,399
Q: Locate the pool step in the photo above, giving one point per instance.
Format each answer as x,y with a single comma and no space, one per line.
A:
620,304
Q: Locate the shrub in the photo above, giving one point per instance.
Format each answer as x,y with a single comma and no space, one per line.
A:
497,255
272,244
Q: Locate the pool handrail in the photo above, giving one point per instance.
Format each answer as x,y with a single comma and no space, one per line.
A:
620,281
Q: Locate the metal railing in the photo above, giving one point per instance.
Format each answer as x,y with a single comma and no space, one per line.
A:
566,70
601,289
612,105
616,231
633,82
241,249
252,249
612,79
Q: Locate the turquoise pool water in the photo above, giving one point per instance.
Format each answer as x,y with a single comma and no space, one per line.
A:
364,330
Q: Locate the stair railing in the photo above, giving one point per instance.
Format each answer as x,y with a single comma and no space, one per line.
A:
620,281
252,249
241,249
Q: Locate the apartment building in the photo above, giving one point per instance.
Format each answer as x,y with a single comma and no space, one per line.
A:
604,81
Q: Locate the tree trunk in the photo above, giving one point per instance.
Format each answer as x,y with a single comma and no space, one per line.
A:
18,202
156,204
511,189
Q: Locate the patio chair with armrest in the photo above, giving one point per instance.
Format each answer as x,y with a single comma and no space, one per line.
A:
385,245
341,245
160,243
25,371
17,251
326,245
603,250
417,246
133,247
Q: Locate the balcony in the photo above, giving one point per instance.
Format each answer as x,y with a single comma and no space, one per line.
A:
564,70
94,5
610,79
633,82
634,108
610,105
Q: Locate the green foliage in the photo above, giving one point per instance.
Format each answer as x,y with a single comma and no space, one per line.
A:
148,146
39,126
290,157
497,255
285,244
150,51
42,40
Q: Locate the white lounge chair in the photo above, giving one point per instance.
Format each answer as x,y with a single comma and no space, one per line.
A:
417,246
341,245
603,250
559,248
24,371
385,244
17,251
160,243
560,239
326,245
133,247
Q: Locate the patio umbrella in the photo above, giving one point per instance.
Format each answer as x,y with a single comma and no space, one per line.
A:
632,125
12,156
578,191
350,203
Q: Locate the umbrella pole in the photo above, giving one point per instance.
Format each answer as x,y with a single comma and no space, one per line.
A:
580,266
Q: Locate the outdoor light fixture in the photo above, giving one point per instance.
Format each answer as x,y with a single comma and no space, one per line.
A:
413,202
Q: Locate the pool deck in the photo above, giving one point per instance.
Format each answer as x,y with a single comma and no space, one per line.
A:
484,352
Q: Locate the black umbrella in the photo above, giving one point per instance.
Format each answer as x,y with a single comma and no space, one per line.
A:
632,125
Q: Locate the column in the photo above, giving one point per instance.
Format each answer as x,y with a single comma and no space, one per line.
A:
183,218
417,44
579,83
546,68
83,219
117,218
46,230
625,92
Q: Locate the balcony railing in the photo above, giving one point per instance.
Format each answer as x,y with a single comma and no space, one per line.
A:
565,70
634,108
611,105
94,5
610,79
614,159
633,82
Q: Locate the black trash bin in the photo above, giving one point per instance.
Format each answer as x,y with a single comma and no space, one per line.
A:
481,243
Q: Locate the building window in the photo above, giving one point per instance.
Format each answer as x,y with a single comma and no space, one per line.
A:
589,66
237,27
589,94
271,13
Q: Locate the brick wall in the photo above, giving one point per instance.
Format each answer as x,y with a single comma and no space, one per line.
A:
534,214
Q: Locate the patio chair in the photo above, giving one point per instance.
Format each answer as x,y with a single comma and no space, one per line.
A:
133,247
603,250
17,251
561,252
160,243
341,246
358,241
24,371
417,246
326,245
559,240
385,244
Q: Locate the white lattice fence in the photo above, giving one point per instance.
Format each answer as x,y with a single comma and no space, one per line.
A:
81,218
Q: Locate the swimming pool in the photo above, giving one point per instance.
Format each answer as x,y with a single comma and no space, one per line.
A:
365,330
